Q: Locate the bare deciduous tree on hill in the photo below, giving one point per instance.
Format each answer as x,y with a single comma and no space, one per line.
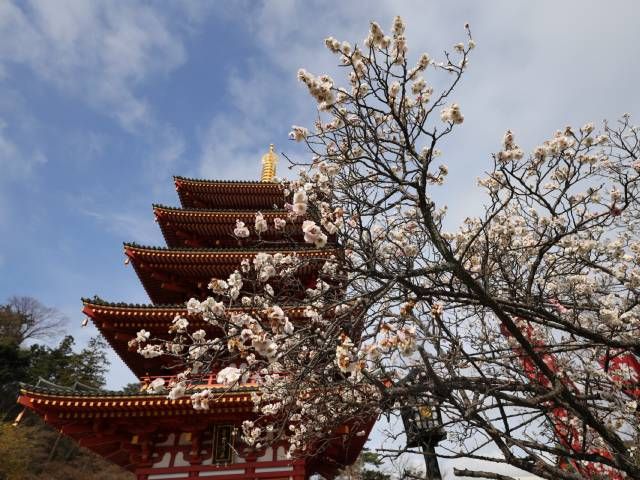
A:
25,318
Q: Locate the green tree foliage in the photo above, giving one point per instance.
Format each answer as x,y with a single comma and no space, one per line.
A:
368,466
372,459
14,363
63,366
131,389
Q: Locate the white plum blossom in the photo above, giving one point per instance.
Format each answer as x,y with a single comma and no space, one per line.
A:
265,347
175,348
142,336
298,133
218,286
418,86
276,313
452,114
267,272
511,151
229,376
177,391
260,224
321,88
200,400
394,89
288,327
199,335
151,351
180,324
279,223
346,360
156,386
407,340
313,234
332,44
423,61
300,202
212,308
234,282
250,433
194,306
241,231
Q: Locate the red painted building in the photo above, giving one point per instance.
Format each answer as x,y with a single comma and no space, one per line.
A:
149,434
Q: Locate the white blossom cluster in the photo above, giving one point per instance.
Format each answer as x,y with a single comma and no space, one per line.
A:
523,324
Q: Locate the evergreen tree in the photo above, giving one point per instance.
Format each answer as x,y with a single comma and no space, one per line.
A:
374,460
65,367
131,389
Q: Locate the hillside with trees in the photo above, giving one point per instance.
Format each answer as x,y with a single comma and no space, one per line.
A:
30,449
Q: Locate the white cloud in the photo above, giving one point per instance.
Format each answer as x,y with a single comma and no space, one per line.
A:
230,149
538,67
15,163
168,147
133,226
99,51
235,140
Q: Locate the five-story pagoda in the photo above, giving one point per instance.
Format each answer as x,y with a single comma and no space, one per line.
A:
152,435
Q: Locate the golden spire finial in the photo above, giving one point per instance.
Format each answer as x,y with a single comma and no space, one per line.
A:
269,162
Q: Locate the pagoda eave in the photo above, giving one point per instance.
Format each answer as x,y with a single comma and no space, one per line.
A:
202,228
100,405
241,195
119,323
133,431
175,275
190,256
150,316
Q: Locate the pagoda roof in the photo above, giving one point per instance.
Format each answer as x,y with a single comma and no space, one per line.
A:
197,227
118,426
173,275
68,396
140,314
249,195
111,423
119,322
118,325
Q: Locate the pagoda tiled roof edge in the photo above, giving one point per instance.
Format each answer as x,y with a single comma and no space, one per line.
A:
255,249
215,210
170,306
103,303
67,392
223,182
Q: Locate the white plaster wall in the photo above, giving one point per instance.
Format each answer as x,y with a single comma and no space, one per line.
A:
164,462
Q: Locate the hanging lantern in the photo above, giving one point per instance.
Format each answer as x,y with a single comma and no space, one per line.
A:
422,423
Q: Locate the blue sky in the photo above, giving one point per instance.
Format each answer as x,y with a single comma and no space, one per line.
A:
102,102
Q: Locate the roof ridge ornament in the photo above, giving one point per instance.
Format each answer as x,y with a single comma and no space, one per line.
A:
269,163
